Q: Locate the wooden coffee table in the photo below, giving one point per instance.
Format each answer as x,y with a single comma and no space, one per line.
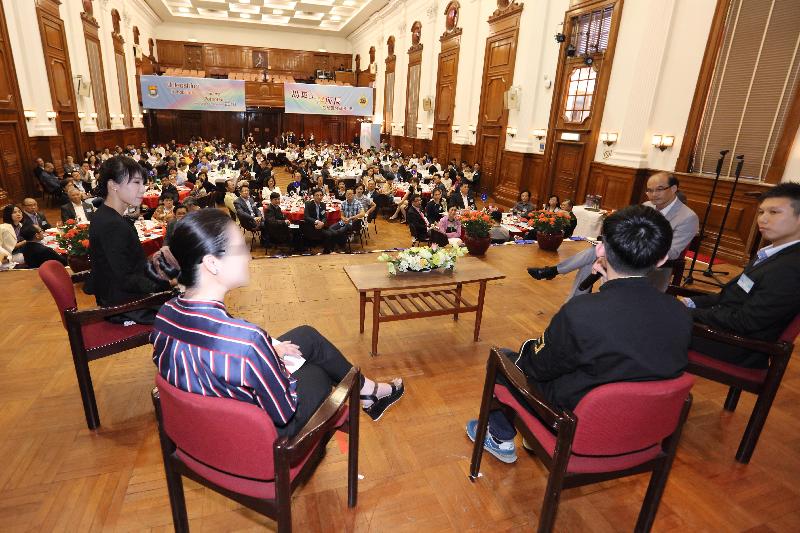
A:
402,297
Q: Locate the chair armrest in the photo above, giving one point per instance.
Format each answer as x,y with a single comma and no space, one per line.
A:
683,291
517,379
80,276
324,418
96,314
772,348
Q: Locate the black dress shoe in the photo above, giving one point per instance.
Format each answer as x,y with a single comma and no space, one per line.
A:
548,272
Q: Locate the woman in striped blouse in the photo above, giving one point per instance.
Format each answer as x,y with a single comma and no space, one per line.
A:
200,348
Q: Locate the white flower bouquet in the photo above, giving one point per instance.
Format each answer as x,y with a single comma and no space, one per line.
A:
423,259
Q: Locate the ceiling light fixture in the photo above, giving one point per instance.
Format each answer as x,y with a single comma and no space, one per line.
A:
336,17
244,15
277,11
183,9
349,3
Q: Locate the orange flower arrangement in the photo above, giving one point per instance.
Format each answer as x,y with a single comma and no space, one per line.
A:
74,238
549,221
476,224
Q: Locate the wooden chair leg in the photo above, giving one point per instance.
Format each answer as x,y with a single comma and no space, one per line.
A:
283,495
652,499
555,481
732,400
754,426
87,390
352,444
483,419
177,501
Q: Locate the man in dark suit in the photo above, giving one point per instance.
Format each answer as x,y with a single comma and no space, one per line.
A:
315,217
32,216
50,182
629,331
463,198
418,223
248,212
34,252
76,209
762,301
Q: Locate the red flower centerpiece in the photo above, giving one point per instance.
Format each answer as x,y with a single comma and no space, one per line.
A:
476,226
74,239
549,226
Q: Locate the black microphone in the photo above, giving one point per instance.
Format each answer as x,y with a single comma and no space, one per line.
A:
588,281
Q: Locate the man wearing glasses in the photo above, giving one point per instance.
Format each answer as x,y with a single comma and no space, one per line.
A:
662,194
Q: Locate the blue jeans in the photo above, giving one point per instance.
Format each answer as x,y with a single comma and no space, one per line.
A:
499,426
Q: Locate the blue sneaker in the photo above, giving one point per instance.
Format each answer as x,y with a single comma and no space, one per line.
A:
503,450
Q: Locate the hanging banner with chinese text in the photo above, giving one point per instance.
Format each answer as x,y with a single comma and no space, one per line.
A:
195,94
327,99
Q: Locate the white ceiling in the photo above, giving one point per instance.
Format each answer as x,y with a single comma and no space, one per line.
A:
339,17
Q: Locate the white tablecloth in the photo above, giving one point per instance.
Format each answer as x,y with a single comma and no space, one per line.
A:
590,223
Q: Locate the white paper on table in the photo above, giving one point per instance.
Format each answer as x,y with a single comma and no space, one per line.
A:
291,362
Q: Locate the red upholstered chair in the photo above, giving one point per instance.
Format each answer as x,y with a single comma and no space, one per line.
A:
90,335
764,383
617,430
232,447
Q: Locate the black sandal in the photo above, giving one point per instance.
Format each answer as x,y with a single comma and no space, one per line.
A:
380,405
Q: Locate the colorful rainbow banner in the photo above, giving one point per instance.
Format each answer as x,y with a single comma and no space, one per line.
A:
327,99
195,94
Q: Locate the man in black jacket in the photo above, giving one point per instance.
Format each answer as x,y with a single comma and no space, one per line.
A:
762,301
629,331
315,217
34,252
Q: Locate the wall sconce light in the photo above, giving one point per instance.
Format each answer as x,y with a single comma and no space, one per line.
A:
81,115
455,128
29,114
608,138
512,132
419,125
539,134
472,129
112,116
430,126
93,116
144,110
121,116
51,115
662,142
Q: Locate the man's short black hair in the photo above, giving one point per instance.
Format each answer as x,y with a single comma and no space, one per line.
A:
636,238
497,216
274,195
28,232
785,190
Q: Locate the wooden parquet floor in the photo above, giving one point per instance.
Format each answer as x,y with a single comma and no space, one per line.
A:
55,475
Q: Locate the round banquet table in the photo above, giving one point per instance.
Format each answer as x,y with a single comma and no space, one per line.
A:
150,199
297,214
151,237
400,192
590,223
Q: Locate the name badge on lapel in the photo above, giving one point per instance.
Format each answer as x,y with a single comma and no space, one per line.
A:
745,283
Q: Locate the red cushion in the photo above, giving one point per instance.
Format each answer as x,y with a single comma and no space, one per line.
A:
103,333
792,330
756,375
577,463
59,283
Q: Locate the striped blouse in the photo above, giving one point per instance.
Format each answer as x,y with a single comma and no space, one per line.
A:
198,347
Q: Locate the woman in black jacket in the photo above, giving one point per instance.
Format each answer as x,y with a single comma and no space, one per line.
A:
118,262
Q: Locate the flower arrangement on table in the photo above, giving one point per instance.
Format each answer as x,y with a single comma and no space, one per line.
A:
74,238
423,258
549,222
476,224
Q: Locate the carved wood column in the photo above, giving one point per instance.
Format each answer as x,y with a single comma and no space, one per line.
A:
446,78
388,87
412,85
91,34
122,70
498,75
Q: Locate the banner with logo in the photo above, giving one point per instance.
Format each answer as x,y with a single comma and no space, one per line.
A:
194,94
327,99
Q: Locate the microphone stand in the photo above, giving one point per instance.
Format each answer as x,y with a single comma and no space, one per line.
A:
689,278
709,273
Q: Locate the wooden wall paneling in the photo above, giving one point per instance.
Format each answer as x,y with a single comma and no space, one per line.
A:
619,186
266,94
534,180
498,76
568,162
388,87
446,80
59,75
170,53
740,227
16,163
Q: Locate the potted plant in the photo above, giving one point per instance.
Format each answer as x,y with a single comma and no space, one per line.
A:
549,227
476,226
74,239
